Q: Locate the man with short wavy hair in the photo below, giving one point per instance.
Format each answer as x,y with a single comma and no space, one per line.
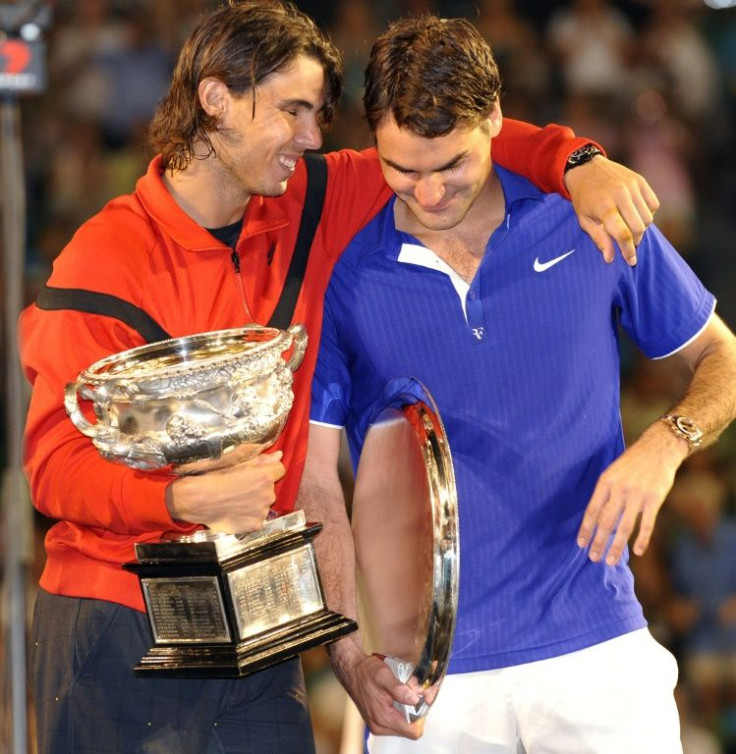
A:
486,290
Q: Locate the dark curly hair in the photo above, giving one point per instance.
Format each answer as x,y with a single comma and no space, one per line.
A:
239,44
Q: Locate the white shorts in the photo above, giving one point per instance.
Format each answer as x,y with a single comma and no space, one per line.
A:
612,698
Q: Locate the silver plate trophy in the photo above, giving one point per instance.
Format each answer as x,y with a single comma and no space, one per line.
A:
219,605
405,526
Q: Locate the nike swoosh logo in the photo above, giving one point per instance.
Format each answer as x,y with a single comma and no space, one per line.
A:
542,266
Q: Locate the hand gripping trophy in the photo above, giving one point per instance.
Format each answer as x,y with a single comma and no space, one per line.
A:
219,605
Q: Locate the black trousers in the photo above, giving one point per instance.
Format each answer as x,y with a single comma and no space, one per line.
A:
88,700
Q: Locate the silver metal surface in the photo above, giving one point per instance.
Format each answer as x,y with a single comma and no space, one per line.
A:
186,610
190,404
276,591
405,525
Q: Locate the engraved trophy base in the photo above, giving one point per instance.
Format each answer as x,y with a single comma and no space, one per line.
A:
223,606
233,661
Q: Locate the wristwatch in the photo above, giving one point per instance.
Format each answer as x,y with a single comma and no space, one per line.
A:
582,155
686,428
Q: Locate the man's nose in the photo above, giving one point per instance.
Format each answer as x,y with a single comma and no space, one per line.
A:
309,135
429,190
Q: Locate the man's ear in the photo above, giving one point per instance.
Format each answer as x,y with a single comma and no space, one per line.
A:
495,119
214,97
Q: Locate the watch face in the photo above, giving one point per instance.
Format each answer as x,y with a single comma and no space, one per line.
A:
582,155
584,152
687,426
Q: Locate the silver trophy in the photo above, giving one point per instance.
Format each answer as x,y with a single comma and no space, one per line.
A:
219,605
405,527
190,404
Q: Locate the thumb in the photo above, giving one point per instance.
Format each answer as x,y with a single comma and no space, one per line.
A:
403,693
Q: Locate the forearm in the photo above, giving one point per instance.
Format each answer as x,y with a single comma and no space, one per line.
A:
638,481
540,154
710,397
321,497
369,681
70,481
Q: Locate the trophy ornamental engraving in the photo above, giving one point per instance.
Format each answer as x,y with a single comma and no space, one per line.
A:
219,605
188,404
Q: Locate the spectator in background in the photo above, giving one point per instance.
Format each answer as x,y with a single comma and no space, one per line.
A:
174,19
677,53
355,27
663,148
76,175
519,52
138,76
696,738
353,31
81,41
592,42
703,608
603,116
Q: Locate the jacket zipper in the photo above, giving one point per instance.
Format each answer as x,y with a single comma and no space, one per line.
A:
235,259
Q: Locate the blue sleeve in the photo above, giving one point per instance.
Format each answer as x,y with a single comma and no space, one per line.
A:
663,304
331,381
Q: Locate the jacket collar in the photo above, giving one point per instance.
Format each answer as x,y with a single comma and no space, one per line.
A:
263,214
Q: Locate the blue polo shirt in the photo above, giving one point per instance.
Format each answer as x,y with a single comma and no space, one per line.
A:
524,366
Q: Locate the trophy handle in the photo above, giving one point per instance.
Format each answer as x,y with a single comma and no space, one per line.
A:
299,346
71,403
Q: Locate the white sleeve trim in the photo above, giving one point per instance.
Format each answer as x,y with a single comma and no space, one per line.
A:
694,337
327,424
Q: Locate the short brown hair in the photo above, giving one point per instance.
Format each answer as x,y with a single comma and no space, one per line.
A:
239,44
431,74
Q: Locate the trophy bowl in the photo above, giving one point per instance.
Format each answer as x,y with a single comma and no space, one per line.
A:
190,404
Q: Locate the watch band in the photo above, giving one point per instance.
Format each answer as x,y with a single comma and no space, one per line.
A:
685,428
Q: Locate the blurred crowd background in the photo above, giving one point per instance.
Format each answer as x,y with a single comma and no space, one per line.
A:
654,81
